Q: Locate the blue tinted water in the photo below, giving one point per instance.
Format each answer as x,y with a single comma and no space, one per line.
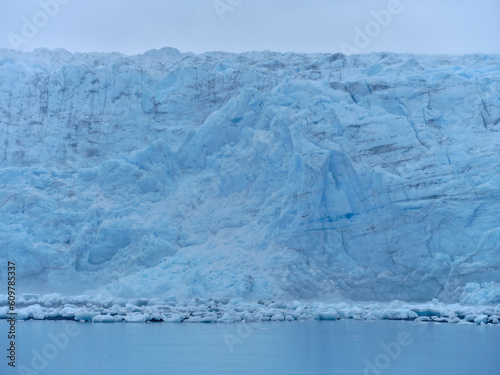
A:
310,347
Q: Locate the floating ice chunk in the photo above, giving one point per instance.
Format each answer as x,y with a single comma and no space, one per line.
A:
227,318
427,310
494,319
86,315
174,318
481,319
137,318
106,319
423,319
209,318
470,317
278,317
69,311
34,311
327,315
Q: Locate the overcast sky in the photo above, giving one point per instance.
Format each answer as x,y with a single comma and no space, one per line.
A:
350,26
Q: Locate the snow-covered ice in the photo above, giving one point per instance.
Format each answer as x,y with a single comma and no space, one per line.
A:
106,309
255,176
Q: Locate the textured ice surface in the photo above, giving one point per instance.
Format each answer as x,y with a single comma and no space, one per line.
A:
256,175
109,309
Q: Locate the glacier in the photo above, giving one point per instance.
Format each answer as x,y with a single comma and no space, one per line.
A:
260,175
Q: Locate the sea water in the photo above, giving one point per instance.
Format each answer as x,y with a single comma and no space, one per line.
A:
301,347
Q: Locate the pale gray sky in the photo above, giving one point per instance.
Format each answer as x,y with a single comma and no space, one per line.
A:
135,26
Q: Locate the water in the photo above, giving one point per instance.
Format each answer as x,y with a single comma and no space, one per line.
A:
310,347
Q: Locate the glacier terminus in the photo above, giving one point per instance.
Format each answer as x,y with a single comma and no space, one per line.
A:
252,176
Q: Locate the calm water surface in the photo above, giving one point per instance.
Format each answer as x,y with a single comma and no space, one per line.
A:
309,347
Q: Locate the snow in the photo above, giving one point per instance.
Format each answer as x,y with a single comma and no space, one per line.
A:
251,176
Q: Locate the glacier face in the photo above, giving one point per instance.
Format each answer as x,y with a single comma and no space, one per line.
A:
256,175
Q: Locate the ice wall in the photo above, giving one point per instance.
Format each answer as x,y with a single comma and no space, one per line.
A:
259,175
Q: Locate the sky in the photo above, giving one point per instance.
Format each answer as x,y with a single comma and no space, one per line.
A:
328,26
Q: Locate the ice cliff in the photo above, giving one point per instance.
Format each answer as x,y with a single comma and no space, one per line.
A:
255,175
